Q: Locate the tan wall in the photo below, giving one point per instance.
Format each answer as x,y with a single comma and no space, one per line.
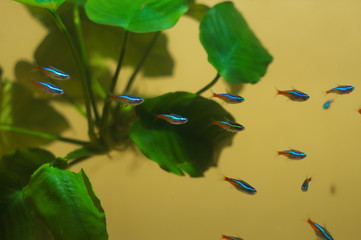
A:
316,45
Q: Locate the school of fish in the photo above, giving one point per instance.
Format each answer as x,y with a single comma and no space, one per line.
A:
175,119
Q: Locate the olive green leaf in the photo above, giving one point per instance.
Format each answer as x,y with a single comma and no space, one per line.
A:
19,109
66,204
16,168
137,16
232,47
48,4
192,147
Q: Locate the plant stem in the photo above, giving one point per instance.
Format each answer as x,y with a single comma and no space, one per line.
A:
78,160
107,103
84,57
142,61
209,85
42,135
80,66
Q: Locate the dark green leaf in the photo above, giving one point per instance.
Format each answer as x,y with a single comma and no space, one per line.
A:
197,11
232,47
22,163
16,168
192,147
19,108
65,202
48,4
16,223
137,16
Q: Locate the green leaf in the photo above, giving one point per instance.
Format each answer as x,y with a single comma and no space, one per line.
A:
66,204
20,109
48,4
232,47
137,16
192,147
16,168
22,163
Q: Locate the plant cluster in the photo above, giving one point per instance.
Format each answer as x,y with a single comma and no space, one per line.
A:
40,198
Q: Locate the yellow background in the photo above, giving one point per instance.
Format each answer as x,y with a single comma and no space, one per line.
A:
316,45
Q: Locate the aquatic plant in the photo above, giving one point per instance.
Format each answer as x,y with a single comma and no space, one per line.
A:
40,198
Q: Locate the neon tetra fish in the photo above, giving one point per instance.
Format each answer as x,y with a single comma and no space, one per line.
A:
241,185
230,237
54,73
229,126
327,104
294,95
173,118
128,99
292,154
321,232
50,88
229,98
305,184
341,89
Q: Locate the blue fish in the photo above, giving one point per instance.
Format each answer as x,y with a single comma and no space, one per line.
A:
341,89
292,154
173,118
229,126
294,95
327,104
229,98
321,232
50,88
54,73
241,185
305,184
128,99
230,237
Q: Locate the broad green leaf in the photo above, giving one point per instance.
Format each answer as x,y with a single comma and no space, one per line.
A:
137,15
48,4
65,202
22,163
197,11
189,148
20,109
232,47
16,168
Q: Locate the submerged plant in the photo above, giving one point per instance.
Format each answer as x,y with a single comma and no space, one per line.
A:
39,197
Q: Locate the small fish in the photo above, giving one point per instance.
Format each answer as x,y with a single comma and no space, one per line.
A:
50,88
173,118
229,126
54,73
128,99
229,98
230,237
241,185
305,184
292,154
294,95
321,232
327,104
341,89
